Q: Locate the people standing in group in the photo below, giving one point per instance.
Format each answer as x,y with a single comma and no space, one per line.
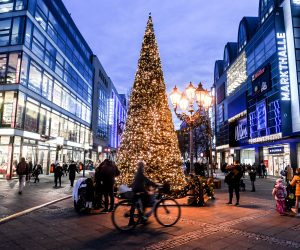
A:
22,172
279,193
72,172
57,174
234,176
108,173
252,175
37,170
296,182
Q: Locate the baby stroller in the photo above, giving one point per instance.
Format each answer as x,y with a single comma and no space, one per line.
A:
80,195
290,197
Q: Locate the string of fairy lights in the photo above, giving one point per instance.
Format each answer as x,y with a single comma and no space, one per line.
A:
149,133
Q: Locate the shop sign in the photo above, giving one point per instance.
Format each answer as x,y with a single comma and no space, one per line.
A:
276,150
241,130
261,80
283,67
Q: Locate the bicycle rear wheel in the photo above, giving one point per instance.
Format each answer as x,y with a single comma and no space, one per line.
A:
121,215
167,212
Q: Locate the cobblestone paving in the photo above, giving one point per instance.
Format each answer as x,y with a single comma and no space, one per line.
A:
209,229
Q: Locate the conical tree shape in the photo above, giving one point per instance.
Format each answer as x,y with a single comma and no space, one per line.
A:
149,133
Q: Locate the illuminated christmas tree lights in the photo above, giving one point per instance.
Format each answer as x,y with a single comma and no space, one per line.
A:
149,133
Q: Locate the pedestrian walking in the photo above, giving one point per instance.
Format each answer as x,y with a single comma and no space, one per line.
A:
109,172
264,170
22,172
233,178
57,174
279,193
65,169
296,182
252,175
30,170
37,170
72,172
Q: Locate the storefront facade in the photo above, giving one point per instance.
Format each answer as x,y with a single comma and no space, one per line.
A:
46,83
257,97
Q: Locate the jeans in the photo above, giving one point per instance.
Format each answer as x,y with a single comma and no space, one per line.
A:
22,182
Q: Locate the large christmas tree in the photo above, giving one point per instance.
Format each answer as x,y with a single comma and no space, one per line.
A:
149,133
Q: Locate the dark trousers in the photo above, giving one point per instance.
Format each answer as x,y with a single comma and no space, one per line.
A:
253,186
36,178
109,192
72,182
55,180
236,188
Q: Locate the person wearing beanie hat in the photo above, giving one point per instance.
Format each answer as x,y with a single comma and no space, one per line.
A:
279,193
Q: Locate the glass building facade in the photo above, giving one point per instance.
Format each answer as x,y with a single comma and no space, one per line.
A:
46,78
257,90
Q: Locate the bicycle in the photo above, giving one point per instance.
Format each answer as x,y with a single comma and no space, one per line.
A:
128,213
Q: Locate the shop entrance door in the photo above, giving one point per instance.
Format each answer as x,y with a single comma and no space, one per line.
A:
278,164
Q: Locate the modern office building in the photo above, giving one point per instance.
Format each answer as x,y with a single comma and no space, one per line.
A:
46,83
257,89
109,114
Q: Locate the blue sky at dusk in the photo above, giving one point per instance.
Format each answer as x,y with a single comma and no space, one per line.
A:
191,35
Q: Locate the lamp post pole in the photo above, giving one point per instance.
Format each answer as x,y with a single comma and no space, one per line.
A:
192,169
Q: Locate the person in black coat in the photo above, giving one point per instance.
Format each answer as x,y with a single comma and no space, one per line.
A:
98,187
108,173
72,172
57,174
89,196
252,175
235,173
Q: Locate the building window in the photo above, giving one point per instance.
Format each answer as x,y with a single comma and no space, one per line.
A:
31,117
10,68
20,111
35,78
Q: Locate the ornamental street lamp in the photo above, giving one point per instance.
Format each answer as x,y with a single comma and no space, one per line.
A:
194,105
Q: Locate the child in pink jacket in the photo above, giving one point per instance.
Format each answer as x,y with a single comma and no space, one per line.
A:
279,193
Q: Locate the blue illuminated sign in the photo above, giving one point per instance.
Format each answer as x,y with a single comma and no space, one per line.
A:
276,150
283,67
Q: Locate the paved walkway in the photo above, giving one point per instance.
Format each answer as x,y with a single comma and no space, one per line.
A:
253,225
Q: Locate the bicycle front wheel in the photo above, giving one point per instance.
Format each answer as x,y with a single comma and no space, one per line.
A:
167,212
125,216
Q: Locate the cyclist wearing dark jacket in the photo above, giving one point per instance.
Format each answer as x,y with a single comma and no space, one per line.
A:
140,187
141,182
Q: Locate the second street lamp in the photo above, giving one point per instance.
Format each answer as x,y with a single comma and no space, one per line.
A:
186,102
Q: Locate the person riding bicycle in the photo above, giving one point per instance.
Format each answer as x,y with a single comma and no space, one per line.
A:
141,185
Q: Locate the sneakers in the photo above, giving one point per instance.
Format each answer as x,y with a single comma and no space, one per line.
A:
110,210
229,203
237,204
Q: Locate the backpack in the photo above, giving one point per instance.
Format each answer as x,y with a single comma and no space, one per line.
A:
280,194
22,168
